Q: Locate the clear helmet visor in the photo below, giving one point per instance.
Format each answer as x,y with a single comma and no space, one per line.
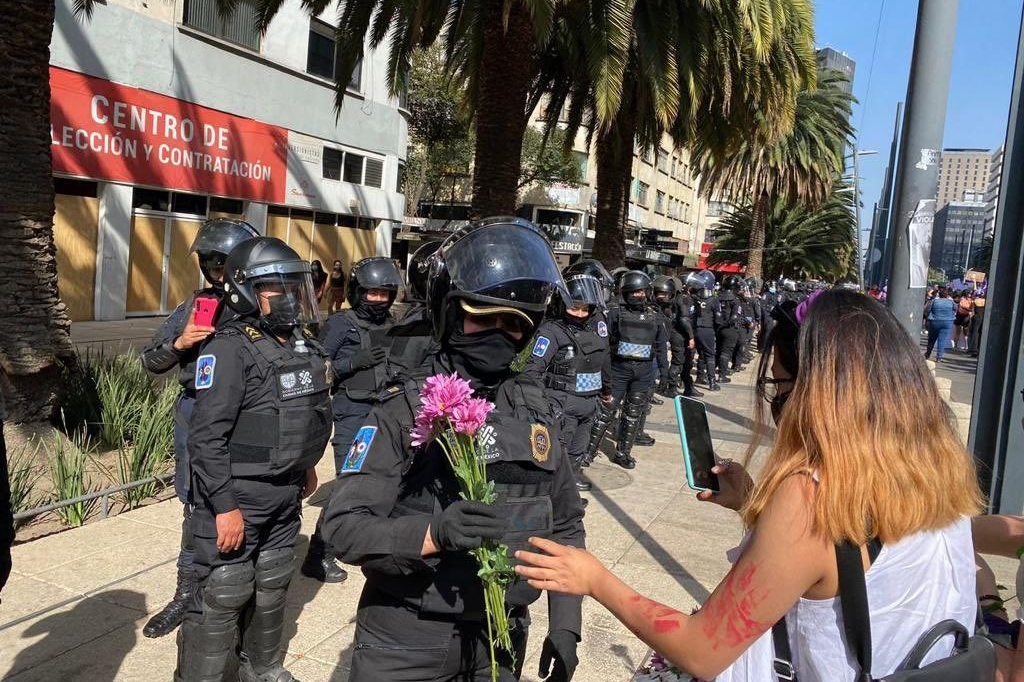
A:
287,300
585,290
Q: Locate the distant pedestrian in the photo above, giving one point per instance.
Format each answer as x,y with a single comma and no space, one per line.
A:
940,313
336,281
964,313
319,279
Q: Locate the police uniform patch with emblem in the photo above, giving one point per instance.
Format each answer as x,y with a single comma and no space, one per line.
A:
358,450
205,365
253,333
540,442
602,329
540,347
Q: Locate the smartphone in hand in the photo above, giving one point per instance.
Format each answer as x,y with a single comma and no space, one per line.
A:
698,453
206,309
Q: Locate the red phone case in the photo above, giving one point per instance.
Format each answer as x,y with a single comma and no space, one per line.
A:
206,311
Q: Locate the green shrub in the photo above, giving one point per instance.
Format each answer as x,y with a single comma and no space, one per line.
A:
125,392
68,461
24,476
151,453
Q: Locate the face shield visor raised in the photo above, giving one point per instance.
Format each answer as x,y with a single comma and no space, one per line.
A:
585,290
287,300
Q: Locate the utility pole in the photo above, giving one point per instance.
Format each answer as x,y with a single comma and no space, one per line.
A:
917,174
856,218
881,271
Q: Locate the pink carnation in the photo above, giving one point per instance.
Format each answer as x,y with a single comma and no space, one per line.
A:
441,394
468,417
421,433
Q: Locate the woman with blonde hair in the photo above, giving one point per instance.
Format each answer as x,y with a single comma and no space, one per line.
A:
861,454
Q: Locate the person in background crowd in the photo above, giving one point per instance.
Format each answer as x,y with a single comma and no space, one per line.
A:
412,340
397,511
316,268
939,313
818,488
730,326
962,321
706,314
176,344
975,328
260,424
874,292
769,299
336,285
358,344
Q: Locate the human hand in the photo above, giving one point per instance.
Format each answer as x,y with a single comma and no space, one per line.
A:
560,568
735,484
558,659
192,334
230,531
607,399
466,524
368,357
309,485
692,344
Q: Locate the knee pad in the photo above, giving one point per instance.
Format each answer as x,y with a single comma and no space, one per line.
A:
635,404
274,568
229,588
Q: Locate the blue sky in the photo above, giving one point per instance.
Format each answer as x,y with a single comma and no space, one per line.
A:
979,94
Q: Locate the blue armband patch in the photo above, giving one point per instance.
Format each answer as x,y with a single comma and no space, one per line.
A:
204,371
602,329
359,449
541,346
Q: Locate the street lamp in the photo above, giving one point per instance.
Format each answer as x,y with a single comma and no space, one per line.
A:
857,153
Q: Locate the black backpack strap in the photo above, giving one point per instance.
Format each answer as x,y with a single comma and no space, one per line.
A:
853,595
783,661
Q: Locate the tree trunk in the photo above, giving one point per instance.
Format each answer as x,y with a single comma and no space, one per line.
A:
614,174
755,257
507,67
35,332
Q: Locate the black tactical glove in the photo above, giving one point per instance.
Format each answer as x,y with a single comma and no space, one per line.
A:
664,388
465,525
558,659
368,357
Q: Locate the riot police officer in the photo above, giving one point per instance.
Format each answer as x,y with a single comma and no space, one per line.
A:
412,340
706,312
769,299
637,339
678,335
176,344
260,424
357,342
397,511
683,323
730,325
567,357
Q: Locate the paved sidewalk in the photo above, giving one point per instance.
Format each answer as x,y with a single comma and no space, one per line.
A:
75,607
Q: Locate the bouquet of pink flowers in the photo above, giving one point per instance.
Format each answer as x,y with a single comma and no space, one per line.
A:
453,417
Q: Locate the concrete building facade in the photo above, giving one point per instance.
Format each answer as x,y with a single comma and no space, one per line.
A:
837,61
956,235
995,173
962,171
165,114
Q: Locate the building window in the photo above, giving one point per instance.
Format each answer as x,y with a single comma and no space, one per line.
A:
238,27
583,159
717,208
641,193
659,202
192,204
75,188
353,169
320,54
400,185
374,173
332,163
648,156
662,160
151,199
232,206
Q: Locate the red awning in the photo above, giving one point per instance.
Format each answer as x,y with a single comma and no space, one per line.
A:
729,268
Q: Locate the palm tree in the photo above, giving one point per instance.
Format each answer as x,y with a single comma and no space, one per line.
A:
35,332
799,241
798,167
694,68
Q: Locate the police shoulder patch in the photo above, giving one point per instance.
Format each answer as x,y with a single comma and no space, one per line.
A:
252,332
359,449
602,328
540,347
540,442
205,365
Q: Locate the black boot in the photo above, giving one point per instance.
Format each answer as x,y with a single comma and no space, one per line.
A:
318,564
582,484
655,400
692,392
262,659
170,616
624,461
644,438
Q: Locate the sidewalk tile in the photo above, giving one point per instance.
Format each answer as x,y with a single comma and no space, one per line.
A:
23,596
113,563
73,545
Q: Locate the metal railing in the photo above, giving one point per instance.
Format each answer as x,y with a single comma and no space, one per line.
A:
103,494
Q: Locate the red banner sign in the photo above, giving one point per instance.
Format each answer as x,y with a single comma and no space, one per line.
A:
107,131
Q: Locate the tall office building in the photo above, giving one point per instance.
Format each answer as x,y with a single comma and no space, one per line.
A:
995,172
957,233
837,61
962,171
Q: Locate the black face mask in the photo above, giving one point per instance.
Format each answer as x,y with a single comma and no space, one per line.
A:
636,303
486,355
284,312
375,312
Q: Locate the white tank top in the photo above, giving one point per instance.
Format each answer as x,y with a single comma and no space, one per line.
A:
912,585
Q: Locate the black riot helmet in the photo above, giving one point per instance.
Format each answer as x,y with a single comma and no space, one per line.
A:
214,241
375,272
701,283
265,279
631,282
496,265
583,290
732,283
666,286
592,267
419,267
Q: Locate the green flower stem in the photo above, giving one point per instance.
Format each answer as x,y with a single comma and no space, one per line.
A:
493,559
